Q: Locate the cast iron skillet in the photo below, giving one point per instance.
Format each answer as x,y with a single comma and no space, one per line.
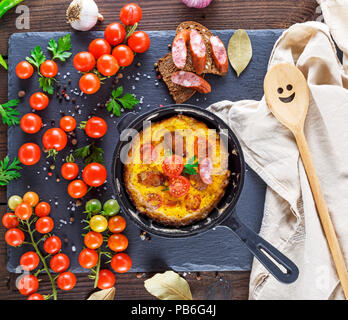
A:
223,214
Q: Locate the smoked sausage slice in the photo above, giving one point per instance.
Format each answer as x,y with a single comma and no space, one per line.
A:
219,54
179,49
198,51
191,80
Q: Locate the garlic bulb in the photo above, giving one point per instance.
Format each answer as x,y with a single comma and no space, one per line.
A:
197,3
83,14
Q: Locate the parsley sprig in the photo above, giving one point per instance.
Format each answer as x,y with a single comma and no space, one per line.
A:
61,49
90,153
9,170
9,114
189,167
36,58
117,101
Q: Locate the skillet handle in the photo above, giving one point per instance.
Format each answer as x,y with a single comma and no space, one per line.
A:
258,246
125,121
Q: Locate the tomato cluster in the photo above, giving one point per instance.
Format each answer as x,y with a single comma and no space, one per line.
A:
117,49
104,223
23,210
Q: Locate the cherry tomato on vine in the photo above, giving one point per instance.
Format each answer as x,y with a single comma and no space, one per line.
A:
121,262
31,123
66,281
29,154
106,279
44,225
28,284
31,198
118,242
77,189
139,41
29,261
117,224
130,14
107,65
94,174
14,237
93,206
52,244
54,139
111,207
88,258
59,262
114,33
84,61
42,209
98,223
23,211
69,170
98,47
96,127
9,220
39,101
93,240
124,55
36,296
67,123
24,70
89,83
14,201
49,69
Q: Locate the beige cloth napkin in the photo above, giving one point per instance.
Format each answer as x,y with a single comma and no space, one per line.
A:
290,220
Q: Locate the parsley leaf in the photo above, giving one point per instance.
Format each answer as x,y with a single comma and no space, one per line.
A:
36,57
9,171
90,153
189,167
128,101
9,114
114,107
61,49
46,84
3,62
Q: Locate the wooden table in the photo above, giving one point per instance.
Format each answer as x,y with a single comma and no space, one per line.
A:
49,15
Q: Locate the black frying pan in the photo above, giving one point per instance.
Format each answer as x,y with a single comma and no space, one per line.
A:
223,214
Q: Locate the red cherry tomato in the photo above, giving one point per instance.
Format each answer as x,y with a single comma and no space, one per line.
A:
94,174
106,279
59,262
89,83
29,154
154,200
49,69
42,209
69,170
107,65
84,61
24,70
123,54
36,296
173,166
121,262
88,258
77,189
14,237
44,225
52,245
39,101
130,14
23,211
29,261
54,138
98,47
67,123
31,123
139,41
9,220
93,240
66,281
118,242
96,127
28,284
114,33
192,202
117,224
179,186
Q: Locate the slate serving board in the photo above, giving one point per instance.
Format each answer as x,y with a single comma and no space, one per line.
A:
218,249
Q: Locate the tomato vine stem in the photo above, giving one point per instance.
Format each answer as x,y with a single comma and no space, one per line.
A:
97,269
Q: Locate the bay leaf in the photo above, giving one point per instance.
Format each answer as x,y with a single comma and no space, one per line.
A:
106,294
239,51
168,286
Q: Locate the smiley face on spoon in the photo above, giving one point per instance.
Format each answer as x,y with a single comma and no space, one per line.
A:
287,99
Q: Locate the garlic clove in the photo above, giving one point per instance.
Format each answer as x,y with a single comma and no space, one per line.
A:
197,3
83,14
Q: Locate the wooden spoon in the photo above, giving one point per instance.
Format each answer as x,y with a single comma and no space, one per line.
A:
287,96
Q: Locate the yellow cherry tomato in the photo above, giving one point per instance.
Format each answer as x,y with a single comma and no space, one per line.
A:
31,198
14,201
98,223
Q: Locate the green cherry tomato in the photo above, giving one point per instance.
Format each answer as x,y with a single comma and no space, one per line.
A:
111,207
14,201
98,223
93,206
